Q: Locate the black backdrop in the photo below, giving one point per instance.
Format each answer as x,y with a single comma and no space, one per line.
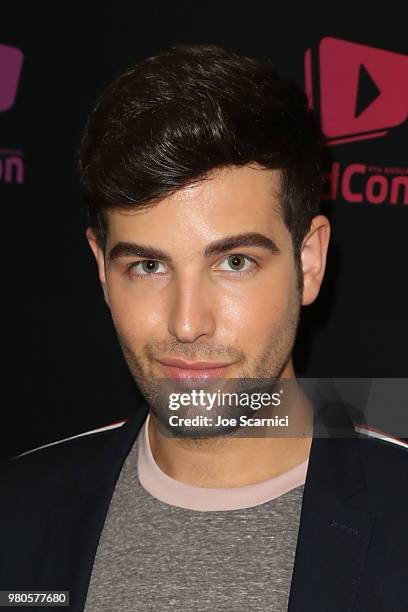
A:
64,372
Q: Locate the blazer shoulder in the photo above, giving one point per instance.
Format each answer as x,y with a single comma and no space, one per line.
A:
373,434
385,461
51,463
380,444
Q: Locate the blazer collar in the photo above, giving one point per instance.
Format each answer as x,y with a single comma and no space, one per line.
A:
336,518
104,467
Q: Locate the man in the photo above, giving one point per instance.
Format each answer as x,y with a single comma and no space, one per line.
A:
201,173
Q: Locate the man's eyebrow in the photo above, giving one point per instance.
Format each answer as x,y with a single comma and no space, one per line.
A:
132,249
248,239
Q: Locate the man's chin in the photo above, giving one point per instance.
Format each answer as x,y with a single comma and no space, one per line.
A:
198,427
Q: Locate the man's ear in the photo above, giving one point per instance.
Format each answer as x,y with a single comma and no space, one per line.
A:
100,261
313,257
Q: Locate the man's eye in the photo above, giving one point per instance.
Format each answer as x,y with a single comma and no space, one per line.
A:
146,267
238,263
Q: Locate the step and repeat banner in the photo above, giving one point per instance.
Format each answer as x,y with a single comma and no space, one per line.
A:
64,367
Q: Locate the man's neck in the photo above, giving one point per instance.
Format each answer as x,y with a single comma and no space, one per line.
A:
233,461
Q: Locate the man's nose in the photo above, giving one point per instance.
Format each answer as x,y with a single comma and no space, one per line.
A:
192,310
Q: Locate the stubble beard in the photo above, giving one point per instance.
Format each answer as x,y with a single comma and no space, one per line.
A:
268,366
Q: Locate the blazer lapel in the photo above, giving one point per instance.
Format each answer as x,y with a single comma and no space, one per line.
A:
78,516
336,522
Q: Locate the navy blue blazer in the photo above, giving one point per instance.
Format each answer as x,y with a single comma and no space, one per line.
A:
352,549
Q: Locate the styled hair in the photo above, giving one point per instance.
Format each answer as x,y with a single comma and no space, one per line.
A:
170,120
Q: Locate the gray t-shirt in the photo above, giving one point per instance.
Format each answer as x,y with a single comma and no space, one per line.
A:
153,556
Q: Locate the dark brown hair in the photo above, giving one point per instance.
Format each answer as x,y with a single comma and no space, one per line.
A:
169,120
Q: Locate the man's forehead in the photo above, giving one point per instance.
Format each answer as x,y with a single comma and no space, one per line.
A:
227,194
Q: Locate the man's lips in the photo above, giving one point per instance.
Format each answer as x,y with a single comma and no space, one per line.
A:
178,368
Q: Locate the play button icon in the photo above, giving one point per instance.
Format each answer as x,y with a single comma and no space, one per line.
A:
363,91
367,91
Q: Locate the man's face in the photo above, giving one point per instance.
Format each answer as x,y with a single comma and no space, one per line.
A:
207,274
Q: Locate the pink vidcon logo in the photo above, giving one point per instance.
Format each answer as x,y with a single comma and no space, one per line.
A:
363,91
11,160
11,60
